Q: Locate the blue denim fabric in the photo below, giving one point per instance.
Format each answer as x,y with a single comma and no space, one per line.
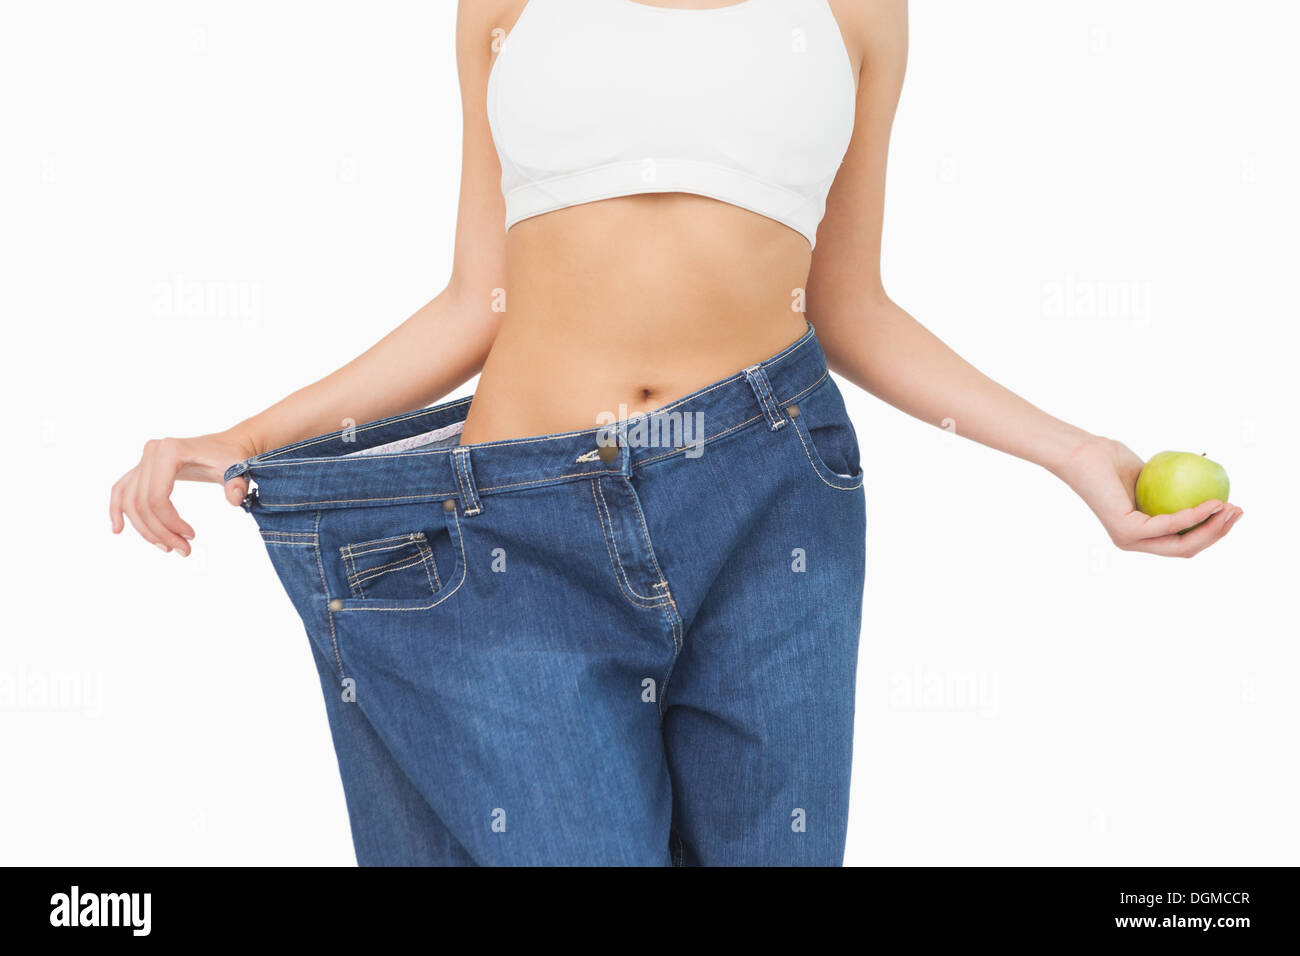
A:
632,645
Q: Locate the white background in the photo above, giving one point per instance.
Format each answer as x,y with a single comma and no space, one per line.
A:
203,207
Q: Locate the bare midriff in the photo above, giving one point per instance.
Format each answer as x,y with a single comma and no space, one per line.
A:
622,306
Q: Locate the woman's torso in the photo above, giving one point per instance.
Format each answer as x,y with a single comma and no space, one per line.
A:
620,306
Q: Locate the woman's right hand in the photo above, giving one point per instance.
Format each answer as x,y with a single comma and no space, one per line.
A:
143,494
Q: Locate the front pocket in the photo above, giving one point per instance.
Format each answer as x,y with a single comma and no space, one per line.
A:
398,566
825,432
408,557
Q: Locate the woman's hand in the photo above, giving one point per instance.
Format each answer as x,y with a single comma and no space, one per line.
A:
1104,474
143,494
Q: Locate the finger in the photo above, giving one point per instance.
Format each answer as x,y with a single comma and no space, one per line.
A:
143,512
1230,519
1159,525
1212,531
1194,541
137,522
236,490
162,481
115,503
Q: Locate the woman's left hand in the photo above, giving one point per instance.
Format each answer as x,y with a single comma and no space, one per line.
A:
1104,473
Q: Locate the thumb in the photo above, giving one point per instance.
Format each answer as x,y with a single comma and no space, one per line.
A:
236,490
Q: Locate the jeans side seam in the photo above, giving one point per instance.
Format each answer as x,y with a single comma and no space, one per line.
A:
329,615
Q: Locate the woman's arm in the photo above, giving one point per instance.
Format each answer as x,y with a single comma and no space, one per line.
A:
438,348
874,343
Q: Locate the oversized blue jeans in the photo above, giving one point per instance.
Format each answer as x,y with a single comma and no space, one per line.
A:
631,645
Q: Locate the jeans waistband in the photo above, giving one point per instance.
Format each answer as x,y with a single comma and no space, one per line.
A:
335,470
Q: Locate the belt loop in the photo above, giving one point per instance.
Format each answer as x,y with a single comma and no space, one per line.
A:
465,480
757,379
625,454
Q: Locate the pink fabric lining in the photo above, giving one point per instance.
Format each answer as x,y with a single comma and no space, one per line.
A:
414,441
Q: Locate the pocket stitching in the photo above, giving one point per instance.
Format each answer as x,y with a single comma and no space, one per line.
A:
820,468
446,592
390,544
401,564
615,560
352,573
430,567
424,556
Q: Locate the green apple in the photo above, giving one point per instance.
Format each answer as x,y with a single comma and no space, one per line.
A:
1174,480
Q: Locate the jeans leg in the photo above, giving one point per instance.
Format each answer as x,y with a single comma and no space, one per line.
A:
765,550
392,825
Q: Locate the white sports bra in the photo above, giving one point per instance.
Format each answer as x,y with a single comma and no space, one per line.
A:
752,104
